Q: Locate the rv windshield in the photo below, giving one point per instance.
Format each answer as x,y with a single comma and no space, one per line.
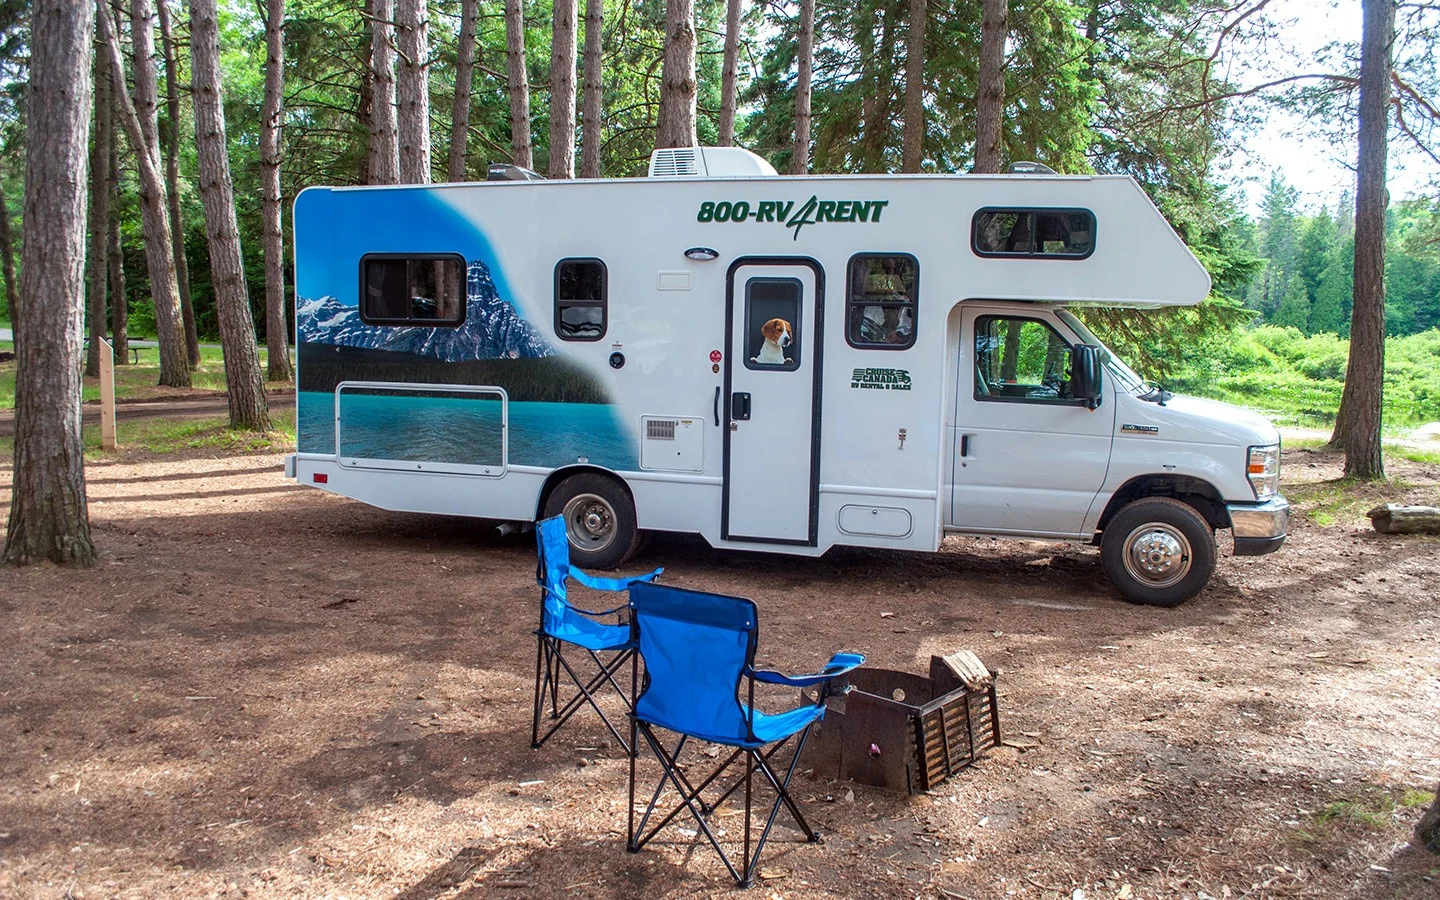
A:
1123,373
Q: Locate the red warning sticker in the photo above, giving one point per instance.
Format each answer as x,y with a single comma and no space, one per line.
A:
714,356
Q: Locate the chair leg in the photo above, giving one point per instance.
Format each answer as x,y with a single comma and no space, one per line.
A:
669,770
540,686
555,662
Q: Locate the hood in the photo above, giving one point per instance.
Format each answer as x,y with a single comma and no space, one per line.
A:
1197,420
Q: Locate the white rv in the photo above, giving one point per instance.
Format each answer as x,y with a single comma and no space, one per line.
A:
775,363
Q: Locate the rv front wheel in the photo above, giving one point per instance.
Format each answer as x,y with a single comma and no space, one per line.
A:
599,518
1158,551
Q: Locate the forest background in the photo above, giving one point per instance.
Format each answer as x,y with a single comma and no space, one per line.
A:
1157,89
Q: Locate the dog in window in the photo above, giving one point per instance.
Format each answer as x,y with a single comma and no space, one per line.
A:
777,337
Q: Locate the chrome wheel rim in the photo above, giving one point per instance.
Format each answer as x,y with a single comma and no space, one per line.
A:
590,522
1157,555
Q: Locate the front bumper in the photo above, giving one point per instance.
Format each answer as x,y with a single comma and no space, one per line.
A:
1259,528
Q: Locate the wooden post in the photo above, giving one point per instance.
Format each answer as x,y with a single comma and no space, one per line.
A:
107,395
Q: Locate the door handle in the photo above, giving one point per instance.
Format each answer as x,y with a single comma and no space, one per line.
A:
964,445
740,406
717,406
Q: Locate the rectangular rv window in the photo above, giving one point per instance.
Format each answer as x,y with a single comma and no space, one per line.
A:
772,324
580,299
1034,233
880,301
414,289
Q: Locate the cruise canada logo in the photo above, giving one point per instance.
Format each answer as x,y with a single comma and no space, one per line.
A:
880,379
811,212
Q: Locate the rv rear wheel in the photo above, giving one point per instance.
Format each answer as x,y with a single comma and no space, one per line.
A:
599,518
1158,551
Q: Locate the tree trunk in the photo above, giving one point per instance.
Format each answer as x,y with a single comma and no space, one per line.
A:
676,127
1357,423
913,152
244,386
412,89
384,133
172,182
115,254
277,331
48,516
593,126
804,66
100,153
464,82
875,77
7,252
519,84
729,73
140,123
562,91
990,96
1427,830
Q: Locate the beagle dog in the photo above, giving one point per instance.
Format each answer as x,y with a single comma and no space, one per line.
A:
777,337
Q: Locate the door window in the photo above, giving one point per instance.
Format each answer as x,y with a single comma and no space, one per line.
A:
1020,360
772,324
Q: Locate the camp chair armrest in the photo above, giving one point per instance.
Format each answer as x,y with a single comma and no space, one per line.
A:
611,584
838,665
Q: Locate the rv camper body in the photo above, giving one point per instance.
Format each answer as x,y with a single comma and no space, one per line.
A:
775,363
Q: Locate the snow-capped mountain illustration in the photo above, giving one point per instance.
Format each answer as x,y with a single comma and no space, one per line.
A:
492,328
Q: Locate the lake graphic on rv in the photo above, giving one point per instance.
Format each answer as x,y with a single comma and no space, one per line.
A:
463,429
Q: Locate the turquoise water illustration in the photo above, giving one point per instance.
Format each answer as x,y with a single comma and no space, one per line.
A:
463,429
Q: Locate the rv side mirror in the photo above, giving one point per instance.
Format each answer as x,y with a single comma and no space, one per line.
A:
1085,374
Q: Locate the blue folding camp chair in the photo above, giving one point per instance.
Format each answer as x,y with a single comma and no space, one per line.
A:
609,646
697,649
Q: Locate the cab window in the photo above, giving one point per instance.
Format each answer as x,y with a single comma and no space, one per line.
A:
1020,360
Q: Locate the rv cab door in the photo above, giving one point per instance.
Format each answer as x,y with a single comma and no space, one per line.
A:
772,405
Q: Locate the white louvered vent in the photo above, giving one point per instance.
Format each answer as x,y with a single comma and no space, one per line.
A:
660,429
673,161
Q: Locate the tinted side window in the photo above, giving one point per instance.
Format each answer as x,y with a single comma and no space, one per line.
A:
1020,359
424,289
1049,233
580,299
883,290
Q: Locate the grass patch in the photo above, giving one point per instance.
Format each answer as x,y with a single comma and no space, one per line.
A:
1378,813
1414,455
161,436
1342,499
1416,799
139,382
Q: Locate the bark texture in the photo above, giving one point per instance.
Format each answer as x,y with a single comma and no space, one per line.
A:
676,127
140,121
562,91
171,142
990,95
913,144
804,68
48,516
728,73
1427,830
592,116
1357,424
384,132
520,149
100,153
244,387
115,256
412,89
455,169
277,329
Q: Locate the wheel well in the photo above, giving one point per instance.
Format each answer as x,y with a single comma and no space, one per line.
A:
560,475
1194,492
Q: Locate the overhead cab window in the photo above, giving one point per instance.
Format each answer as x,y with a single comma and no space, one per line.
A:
1033,233
580,299
883,290
412,289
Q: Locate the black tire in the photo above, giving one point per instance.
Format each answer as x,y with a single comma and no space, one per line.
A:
599,518
1158,551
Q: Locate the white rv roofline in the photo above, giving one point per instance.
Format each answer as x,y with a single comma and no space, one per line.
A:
451,185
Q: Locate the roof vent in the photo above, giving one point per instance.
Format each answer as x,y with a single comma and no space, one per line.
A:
672,161
507,172
1030,168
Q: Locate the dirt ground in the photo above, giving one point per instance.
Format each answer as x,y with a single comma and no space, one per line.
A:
269,691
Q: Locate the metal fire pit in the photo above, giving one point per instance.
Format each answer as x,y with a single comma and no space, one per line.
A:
903,731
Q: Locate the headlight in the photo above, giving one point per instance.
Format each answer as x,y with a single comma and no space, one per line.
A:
1263,469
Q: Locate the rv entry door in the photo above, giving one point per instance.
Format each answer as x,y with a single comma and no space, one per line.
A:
772,387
